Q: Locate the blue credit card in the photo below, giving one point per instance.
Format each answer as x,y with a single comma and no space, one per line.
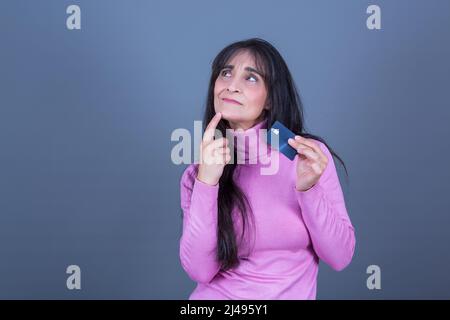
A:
281,134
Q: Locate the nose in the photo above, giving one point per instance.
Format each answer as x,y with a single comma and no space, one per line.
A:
233,86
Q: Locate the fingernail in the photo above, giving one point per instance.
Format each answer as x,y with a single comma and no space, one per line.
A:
297,137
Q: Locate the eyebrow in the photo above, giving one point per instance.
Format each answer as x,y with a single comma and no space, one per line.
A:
250,69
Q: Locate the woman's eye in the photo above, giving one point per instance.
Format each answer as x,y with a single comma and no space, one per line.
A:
252,78
225,72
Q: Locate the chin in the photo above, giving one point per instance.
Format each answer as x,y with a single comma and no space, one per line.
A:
231,115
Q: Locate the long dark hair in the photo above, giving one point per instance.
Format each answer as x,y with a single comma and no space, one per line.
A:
285,106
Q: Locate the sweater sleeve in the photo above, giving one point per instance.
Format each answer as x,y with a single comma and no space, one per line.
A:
198,241
325,216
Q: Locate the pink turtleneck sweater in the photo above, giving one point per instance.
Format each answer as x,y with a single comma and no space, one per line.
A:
292,229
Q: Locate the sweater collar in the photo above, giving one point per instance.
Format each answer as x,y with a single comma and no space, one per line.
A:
251,143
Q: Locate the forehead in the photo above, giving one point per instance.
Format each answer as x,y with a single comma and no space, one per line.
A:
242,58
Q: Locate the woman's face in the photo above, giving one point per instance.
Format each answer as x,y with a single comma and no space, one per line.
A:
240,92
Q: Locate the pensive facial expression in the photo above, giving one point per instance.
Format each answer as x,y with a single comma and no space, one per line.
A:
240,92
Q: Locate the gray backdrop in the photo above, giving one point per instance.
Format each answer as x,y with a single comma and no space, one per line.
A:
86,116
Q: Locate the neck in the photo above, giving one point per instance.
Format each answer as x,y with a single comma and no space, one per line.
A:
245,125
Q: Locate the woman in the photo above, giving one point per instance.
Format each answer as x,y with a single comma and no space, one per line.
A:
286,221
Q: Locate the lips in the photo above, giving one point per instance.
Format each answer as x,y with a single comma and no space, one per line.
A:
232,101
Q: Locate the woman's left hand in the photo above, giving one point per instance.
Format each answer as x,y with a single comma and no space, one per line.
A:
311,163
